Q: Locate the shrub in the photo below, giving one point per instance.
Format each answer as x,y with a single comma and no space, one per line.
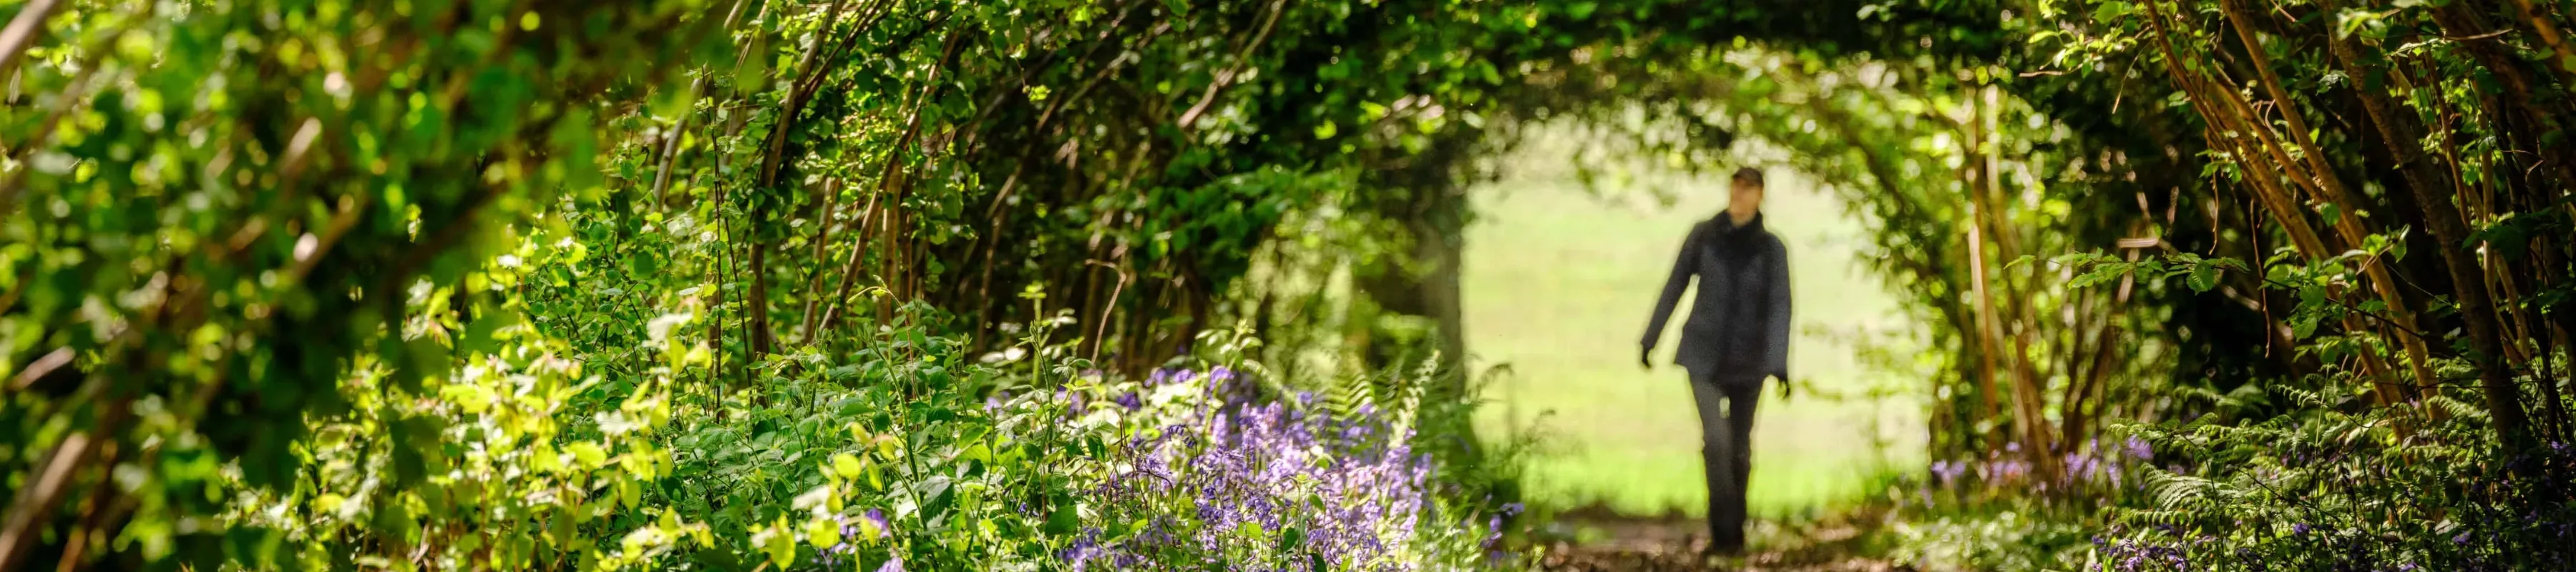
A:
2322,488
896,457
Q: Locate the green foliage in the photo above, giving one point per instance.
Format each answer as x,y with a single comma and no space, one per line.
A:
452,285
2328,487
2201,274
428,283
901,450
213,211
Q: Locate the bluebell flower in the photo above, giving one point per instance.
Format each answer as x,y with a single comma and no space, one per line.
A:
1949,471
1352,487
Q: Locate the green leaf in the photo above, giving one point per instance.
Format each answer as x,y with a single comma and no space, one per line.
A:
779,543
2110,12
588,454
468,398
823,532
1064,519
847,465
752,77
943,497
629,493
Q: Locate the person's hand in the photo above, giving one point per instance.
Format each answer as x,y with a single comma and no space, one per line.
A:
1784,385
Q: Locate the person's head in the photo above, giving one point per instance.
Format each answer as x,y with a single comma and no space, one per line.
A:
1746,197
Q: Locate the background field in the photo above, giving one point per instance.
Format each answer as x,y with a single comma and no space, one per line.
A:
1558,285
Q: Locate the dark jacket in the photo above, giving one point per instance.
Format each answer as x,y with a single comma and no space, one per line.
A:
1738,328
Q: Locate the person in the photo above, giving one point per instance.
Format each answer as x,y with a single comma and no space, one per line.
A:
1736,336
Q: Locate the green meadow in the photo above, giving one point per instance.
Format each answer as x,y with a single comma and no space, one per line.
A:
1559,282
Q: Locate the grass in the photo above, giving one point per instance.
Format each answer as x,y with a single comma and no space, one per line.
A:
1558,285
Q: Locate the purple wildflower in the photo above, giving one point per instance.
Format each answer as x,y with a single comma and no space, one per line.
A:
1949,471
2008,470
1352,486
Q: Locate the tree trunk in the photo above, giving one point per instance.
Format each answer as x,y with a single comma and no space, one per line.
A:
2399,129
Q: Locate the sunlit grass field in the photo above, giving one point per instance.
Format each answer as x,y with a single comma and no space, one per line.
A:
1558,285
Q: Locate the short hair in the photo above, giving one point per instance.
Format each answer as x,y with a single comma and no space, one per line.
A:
1749,175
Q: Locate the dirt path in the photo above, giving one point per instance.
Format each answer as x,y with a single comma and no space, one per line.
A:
1672,544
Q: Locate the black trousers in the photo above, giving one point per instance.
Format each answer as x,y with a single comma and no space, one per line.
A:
1726,405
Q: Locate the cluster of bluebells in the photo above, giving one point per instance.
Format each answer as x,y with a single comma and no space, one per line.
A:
2094,463
1256,485
2133,555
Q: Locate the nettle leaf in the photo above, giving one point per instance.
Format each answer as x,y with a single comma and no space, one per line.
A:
1064,517
942,497
2204,277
